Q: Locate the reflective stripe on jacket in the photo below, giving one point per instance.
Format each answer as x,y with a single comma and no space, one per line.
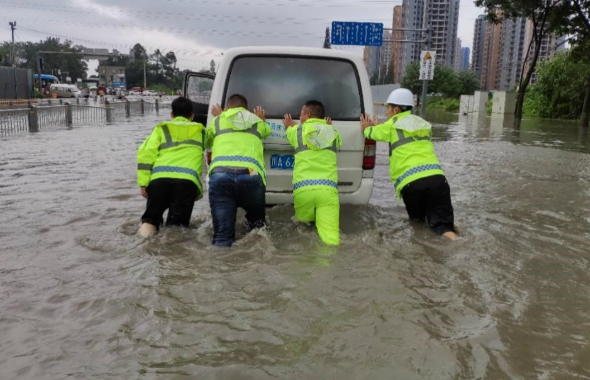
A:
235,138
316,143
174,149
411,153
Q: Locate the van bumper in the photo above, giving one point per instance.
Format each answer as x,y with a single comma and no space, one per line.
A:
360,197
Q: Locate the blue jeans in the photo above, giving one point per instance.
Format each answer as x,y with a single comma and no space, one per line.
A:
229,191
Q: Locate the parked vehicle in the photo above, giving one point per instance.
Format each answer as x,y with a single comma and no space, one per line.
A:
66,91
149,93
281,79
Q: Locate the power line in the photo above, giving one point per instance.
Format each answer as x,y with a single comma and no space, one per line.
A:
190,31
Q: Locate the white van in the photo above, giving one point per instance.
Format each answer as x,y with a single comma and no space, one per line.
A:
281,79
66,91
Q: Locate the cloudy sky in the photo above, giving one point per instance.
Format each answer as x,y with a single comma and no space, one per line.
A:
198,30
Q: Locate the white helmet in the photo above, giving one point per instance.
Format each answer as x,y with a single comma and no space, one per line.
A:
401,97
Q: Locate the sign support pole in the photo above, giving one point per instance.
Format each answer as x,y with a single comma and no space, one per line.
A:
425,82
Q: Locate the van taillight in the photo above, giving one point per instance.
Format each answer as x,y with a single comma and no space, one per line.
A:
369,155
209,158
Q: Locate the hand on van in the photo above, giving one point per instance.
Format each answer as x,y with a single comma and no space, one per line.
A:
329,120
288,121
366,121
216,110
259,111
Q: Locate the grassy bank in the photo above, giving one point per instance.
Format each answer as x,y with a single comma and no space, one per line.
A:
445,104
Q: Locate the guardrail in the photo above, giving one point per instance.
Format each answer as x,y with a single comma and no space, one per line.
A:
45,116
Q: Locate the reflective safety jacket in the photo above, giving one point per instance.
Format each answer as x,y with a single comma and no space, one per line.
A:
411,153
235,138
174,149
316,143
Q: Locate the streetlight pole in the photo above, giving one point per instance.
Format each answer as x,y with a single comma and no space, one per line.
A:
12,50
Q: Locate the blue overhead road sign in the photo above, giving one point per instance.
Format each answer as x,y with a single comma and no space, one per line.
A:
357,33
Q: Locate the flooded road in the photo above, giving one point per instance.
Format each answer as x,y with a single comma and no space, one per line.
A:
81,297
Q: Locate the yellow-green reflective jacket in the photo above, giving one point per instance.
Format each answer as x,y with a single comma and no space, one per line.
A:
174,149
235,138
411,153
316,143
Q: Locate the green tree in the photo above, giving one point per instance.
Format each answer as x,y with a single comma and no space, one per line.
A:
469,82
545,17
72,64
445,82
561,87
411,79
327,43
576,14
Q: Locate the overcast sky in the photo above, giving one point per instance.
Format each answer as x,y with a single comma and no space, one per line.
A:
198,30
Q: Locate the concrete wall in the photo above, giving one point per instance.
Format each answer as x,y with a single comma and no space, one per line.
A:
464,105
470,100
504,103
479,101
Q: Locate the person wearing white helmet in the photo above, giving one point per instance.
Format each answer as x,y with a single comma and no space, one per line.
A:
414,168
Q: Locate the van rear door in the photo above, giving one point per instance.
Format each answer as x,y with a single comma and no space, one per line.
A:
197,87
282,84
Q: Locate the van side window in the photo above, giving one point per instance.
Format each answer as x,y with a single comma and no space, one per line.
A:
282,84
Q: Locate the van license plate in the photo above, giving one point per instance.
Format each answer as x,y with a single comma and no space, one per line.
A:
282,161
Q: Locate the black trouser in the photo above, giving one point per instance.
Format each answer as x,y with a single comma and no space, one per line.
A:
176,195
430,198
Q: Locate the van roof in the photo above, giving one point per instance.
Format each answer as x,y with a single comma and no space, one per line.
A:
290,50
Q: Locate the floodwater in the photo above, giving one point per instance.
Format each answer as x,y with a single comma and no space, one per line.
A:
81,297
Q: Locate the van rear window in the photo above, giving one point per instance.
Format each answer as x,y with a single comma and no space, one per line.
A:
281,84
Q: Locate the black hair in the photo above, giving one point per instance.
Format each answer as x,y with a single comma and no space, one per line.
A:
402,108
237,100
315,108
182,106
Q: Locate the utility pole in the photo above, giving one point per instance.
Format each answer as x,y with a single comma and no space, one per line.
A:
12,50
425,82
144,74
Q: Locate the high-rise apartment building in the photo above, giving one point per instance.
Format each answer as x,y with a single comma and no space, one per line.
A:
479,35
377,59
396,47
502,54
465,52
442,17
457,58
550,44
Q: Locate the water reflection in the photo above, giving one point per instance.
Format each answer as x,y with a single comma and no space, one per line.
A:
560,134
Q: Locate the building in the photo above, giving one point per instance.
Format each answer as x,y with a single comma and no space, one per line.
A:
503,53
479,34
396,47
412,18
550,44
457,58
377,59
111,76
465,52
442,18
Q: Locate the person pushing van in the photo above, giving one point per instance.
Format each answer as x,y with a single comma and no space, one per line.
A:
415,171
169,164
237,177
315,175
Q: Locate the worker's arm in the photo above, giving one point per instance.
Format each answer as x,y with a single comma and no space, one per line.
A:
262,127
146,157
210,135
292,135
338,140
380,132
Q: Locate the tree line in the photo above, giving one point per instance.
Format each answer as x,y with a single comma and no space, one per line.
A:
162,72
